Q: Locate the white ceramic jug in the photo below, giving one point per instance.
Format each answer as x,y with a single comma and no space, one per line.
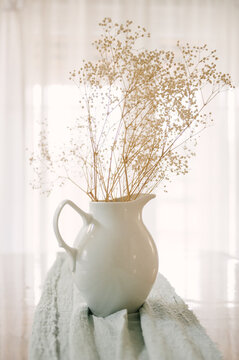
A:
114,260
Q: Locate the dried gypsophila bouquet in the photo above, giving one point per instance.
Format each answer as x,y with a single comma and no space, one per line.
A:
140,111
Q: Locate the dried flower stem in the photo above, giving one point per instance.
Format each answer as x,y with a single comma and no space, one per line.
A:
139,111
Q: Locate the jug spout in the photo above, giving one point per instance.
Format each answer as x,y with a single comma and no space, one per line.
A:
143,199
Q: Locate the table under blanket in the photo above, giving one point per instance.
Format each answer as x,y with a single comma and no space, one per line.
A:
163,328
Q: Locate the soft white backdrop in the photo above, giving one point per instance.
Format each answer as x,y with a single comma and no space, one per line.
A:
40,42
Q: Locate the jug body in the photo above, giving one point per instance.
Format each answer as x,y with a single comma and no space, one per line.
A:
115,257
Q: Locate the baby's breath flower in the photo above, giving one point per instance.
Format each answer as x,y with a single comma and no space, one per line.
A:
141,113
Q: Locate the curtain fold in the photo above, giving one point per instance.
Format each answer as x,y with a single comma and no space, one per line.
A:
12,131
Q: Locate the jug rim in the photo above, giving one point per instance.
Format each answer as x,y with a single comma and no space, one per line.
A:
120,200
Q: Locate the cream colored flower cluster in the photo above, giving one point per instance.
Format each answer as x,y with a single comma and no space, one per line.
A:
141,111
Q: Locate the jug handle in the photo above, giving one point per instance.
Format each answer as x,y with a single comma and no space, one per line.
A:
86,219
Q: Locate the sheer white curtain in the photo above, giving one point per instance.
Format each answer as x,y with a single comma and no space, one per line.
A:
40,42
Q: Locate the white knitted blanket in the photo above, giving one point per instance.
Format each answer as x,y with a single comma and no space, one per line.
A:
164,328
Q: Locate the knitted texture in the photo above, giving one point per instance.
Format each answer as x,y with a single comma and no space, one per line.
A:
163,328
